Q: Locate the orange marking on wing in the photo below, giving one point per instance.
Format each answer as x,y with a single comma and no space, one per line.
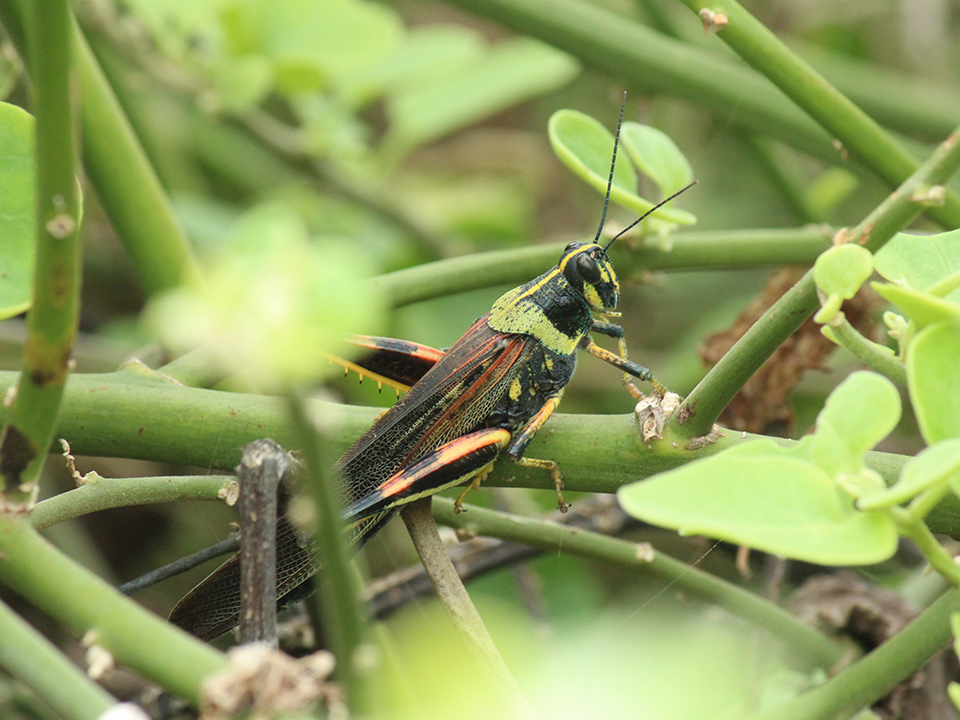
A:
443,455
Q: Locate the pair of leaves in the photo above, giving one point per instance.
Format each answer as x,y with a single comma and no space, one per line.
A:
584,145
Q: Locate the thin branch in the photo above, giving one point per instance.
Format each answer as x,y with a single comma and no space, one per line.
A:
339,595
553,536
105,493
454,597
878,358
180,566
686,251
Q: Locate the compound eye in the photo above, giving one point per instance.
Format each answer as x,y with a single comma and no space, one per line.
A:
588,269
571,246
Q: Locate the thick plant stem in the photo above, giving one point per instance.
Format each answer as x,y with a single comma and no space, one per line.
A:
127,184
116,415
703,406
52,319
876,674
688,580
90,608
455,599
29,657
858,134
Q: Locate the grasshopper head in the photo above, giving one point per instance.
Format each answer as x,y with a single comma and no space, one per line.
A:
590,272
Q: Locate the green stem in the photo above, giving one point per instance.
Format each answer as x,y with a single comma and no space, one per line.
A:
339,593
117,415
127,185
924,503
779,172
875,356
703,406
685,251
105,493
913,528
550,535
90,608
863,138
30,658
459,606
876,674
52,319
202,367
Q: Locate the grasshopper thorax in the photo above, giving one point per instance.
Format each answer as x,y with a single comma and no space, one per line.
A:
590,273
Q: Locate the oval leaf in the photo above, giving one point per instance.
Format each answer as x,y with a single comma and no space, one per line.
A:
657,156
585,146
860,412
841,270
764,498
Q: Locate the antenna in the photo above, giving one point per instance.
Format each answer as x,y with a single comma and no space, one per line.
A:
647,213
613,164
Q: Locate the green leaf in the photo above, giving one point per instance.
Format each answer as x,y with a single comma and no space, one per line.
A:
859,413
657,156
923,308
763,496
937,463
585,146
17,208
511,71
932,379
920,261
839,272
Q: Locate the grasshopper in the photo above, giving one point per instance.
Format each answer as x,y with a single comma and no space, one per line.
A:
489,393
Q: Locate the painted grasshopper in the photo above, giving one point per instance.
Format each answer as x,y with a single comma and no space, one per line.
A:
489,393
